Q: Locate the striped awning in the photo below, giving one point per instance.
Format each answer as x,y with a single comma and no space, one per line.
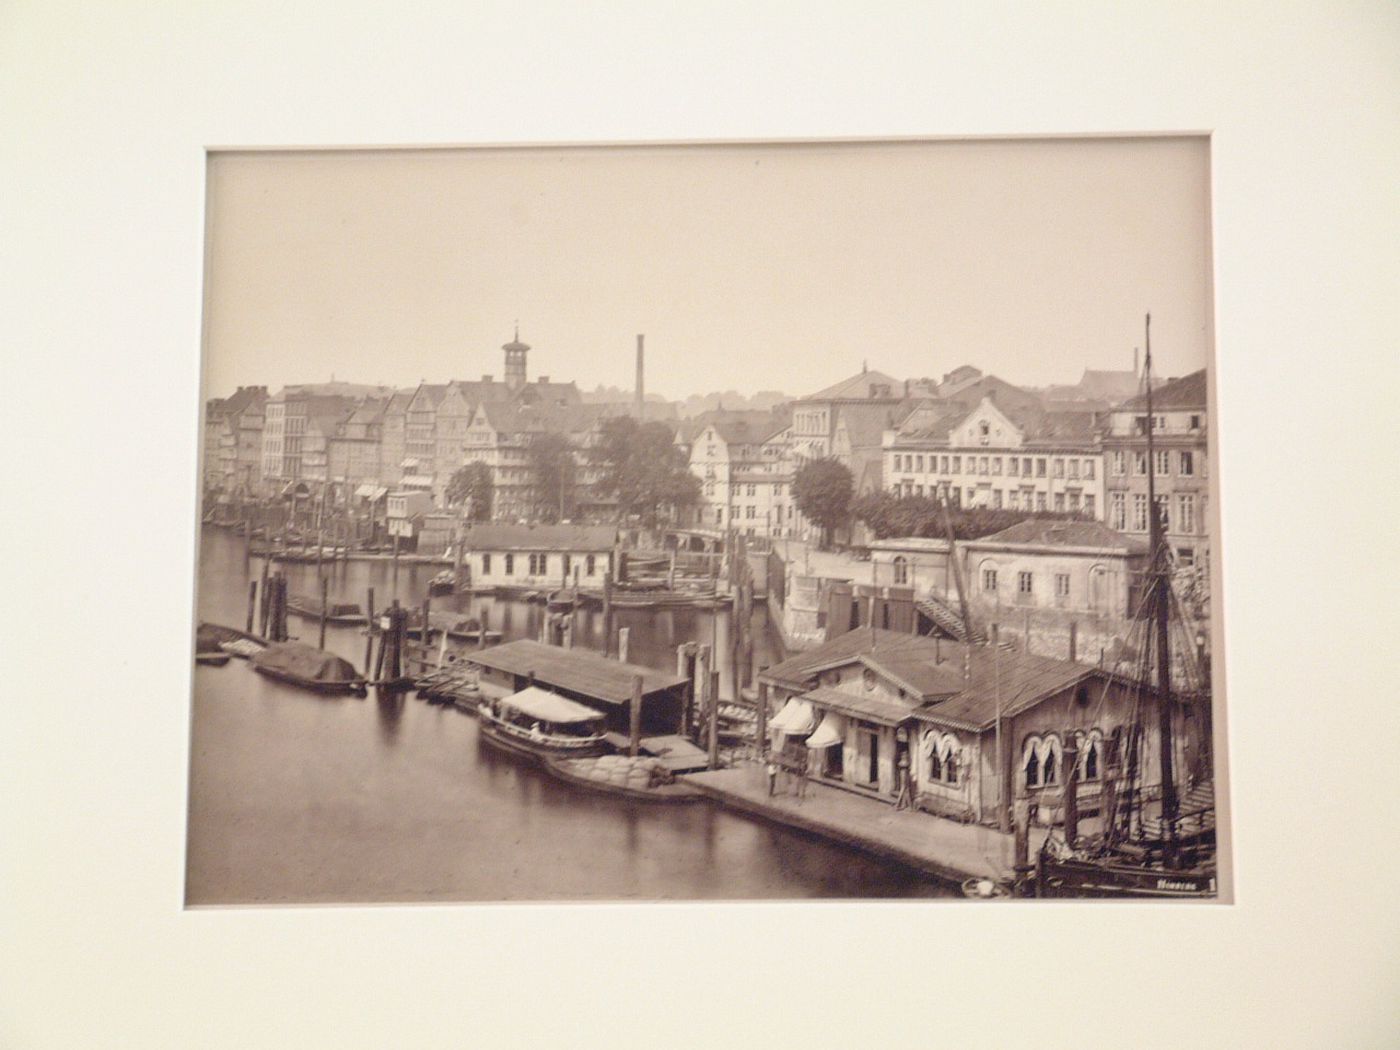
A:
828,734
417,481
796,718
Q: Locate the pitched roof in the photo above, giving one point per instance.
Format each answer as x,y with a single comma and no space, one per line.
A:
870,708
494,537
969,684
576,670
1049,532
1110,385
860,386
1186,392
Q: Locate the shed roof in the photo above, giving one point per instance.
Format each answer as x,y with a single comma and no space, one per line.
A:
576,670
1052,533
870,708
494,537
550,707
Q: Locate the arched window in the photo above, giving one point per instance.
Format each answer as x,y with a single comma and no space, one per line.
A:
1032,770
901,570
1050,762
950,767
935,765
1091,761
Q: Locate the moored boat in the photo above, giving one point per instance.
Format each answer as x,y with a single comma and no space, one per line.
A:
638,779
538,724
444,582
212,639
345,614
299,664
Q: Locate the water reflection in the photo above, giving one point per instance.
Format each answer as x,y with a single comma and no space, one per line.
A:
295,798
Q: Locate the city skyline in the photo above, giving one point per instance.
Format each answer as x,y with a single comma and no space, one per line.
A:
408,266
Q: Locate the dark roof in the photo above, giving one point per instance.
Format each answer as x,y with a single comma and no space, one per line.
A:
860,386
866,424
736,426
871,708
1186,392
977,680
576,670
914,668
1063,534
493,537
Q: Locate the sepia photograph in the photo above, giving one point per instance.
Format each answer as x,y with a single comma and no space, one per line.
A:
708,521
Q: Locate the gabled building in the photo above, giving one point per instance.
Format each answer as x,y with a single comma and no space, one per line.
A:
240,440
536,557
962,730
815,417
1181,442
992,455
745,482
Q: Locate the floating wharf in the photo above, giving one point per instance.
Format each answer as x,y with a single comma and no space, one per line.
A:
945,849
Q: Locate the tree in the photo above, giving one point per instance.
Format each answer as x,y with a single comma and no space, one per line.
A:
822,490
552,465
890,515
472,482
640,466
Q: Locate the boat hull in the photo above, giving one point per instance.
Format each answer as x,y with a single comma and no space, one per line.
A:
1088,878
678,792
314,685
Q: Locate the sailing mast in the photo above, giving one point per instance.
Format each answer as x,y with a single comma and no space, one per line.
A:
1160,575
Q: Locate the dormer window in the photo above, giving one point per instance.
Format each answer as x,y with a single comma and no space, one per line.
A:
984,432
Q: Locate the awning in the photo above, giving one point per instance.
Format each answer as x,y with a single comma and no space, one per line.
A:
422,481
409,464
796,718
550,707
373,493
828,734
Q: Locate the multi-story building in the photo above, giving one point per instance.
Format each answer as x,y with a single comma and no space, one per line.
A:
1180,437
815,417
285,431
354,450
500,435
727,455
240,440
992,456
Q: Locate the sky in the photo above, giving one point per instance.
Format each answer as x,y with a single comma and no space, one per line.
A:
751,267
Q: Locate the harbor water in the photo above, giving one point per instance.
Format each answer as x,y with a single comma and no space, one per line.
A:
299,798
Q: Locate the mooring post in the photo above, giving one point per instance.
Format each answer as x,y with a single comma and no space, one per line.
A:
607,613
485,624
634,717
700,686
267,562
712,712
1073,640
252,603
623,636
761,736
325,584
370,626
1021,852
1071,790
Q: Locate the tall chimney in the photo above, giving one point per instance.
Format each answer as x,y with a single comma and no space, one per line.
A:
1135,360
641,388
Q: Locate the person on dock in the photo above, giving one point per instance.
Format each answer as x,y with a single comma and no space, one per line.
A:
772,777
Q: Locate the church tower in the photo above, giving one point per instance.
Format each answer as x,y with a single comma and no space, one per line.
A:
515,361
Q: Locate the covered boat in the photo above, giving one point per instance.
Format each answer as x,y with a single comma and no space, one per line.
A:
344,613
537,722
304,665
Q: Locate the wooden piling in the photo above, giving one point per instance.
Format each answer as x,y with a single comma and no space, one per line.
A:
623,636
634,717
252,603
325,610
1021,852
607,613
267,562
761,726
712,715
1073,640
700,686
1071,790
485,619
370,627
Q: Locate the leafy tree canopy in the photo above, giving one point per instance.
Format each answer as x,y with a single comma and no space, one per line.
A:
822,490
472,482
641,467
552,464
889,515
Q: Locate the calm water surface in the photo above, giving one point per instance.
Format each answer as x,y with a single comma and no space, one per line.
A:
300,798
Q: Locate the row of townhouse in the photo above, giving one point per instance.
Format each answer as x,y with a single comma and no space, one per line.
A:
1016,454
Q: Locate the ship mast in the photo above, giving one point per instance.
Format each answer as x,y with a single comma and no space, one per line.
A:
1160,576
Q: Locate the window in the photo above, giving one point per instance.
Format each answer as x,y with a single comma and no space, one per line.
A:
1091,760
1032,770
1013,499
1040,468
1088,470
935,765
1185,512
984,431
753,490
901,570
1164,462
1061,585
950,768
1195,422
1013,466
510,564
486,565
590,565
568,564
1059,502
1026,467
1186,557
996,465
1024,582
1188,464
1040,501
1074,501
1074,470
918,465
1163,505
996,498
989,580
1089,504
1120,464
1058,468
1139,512
943,464
1140,464
748,511
982,467
539,564
1117,511
957,465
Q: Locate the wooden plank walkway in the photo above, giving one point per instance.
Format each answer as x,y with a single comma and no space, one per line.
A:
942,848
